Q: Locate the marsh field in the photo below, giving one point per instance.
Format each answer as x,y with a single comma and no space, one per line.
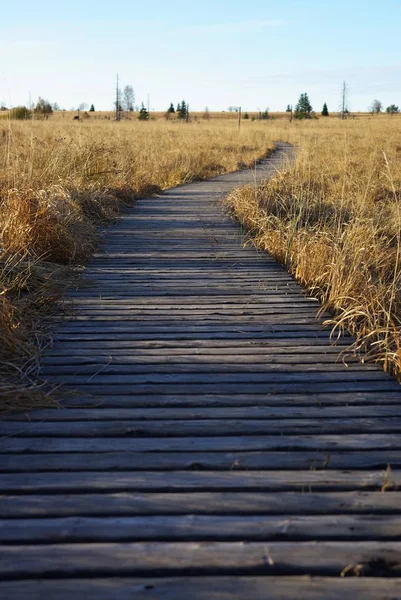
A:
333,218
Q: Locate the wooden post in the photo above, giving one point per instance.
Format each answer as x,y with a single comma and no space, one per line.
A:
239,118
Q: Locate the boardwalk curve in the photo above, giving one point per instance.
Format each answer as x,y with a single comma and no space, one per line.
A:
217,448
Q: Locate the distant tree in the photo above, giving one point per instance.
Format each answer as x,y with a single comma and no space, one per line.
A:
376,107
246,116
128,98
92,108
232,109
21,113
55,106
178,108
83,106
289,108
182,112
206,114
325,110
119,108
43,108
392,109
303,109
265,114
143,113
171,109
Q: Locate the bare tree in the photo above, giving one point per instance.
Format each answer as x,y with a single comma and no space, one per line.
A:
128,98
344,100
83,106
376,107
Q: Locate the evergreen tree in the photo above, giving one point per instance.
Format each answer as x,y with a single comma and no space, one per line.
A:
303,109
392,109
143,113
288,109
325,110
171,108
178,108
246,116
182,110
92,108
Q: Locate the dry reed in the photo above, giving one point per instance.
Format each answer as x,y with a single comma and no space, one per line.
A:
60,179
334,221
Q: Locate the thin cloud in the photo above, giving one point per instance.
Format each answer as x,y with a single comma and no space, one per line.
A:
238,27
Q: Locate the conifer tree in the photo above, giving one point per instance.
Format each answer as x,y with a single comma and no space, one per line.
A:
171,108
143,113
182,111
325,110
303,109
92,108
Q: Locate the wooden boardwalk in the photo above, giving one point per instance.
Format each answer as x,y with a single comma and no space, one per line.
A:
218,449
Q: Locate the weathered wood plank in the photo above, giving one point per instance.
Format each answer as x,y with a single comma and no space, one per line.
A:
325,558
324,443
201,461
205,588
89,481
202,427
111,367
158,389
122,397
213,413
128,503
232,378
188,527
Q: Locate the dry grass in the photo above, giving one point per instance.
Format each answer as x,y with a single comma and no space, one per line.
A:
58,180
334,220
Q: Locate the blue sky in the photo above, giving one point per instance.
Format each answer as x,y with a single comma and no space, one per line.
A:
212,53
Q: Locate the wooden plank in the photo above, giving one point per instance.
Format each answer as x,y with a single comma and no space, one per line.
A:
291,336
112,367
89,481
188,527
124,398
272,323
218,360
205,588
202,427
128,503
275,388
213,413
232,346
174,376
324,443
201,461
325,558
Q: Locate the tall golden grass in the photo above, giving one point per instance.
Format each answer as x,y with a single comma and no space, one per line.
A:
58,180
334,220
